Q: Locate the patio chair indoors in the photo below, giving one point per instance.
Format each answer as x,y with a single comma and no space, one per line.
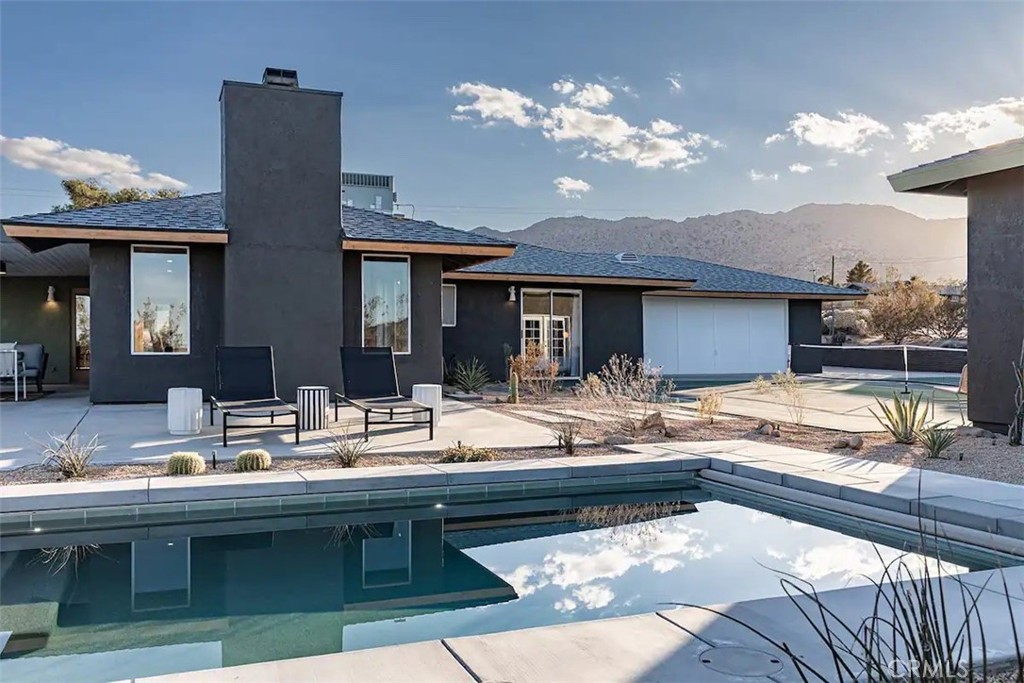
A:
246,387
370,384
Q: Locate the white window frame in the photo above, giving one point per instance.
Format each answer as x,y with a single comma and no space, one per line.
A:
362,291
549,291
455,305
173,248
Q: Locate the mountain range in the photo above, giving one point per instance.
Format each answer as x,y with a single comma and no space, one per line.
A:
798,243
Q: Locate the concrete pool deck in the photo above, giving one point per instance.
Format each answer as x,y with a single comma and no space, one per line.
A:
138,433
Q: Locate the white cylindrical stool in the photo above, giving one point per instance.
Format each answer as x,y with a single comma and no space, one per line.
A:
313,407
184,410
429,395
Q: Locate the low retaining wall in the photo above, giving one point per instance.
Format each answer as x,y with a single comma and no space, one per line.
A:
921,360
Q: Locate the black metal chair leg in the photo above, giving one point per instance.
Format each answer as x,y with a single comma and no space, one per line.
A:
296,429
366,426
211,413
430,416
271,418
224,422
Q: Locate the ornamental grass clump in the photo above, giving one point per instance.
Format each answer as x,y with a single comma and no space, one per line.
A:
68,455
470,377
460,452
254,460
936,439
347,450
904,418
567,435
709,405
185,463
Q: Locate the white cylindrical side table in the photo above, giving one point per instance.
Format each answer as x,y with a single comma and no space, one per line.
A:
184,410
313,407
429,395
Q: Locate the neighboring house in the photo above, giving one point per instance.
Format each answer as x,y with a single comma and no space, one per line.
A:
275,258
691,318
992,180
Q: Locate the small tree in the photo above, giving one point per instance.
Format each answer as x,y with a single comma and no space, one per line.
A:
860,273
949,317
901,309
88,193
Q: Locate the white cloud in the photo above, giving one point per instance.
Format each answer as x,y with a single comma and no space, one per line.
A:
563,87
663,127
565,605
497,104
572,188
598,135
758,176
981,125
849,133
800,168
593,96
617,83
594,596
675,82
117,171
777,137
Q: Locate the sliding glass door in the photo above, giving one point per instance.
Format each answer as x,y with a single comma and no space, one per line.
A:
551,319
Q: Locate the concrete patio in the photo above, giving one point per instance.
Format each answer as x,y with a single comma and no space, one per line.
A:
138,433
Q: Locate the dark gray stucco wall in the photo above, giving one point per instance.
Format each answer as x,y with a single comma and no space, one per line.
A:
486,319
424,365
995,293
805,328
281,181
116,376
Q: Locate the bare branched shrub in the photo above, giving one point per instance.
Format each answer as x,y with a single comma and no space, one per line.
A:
630,390
590,387
792,392
68,455
58,559
710,404
1016,431
638,518
345,449
761,385
567,435
899,310
537,374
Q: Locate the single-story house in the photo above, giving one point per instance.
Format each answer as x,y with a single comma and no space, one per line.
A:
275,258
992,180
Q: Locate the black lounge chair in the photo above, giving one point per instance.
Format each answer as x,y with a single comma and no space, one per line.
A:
370,383
247,387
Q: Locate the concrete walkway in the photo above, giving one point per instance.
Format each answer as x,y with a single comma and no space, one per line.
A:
138,433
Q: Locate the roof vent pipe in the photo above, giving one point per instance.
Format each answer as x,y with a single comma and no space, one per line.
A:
627,257
286,77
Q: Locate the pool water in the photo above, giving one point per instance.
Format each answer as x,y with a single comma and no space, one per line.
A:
139,602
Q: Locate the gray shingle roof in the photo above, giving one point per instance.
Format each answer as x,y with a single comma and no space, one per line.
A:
195,212
709,277
203,212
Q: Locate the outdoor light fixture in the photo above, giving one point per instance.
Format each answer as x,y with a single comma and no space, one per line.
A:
51,293
3,267
512,294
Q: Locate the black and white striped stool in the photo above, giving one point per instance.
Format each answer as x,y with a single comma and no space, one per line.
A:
313,407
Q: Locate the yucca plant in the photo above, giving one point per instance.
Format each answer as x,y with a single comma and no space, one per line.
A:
185,463
904,418
69,455
252,460
936,439
347,450
567,435
470,377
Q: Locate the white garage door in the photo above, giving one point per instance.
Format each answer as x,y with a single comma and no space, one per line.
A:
692,336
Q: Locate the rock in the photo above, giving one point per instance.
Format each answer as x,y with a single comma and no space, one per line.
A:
856,442
841,443
975,432
670,433
765,429
776,433
618,440
653,421
763,422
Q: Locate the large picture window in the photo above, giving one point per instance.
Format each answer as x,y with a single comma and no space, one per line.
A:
160,300
552,320
386,302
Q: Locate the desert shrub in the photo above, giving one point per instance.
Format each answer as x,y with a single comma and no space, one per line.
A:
903,419
460,452
345,449
792,392
470,377
629,389
900,310
68,455
567,435
252,460
709,405
936,439
1016,431
536,373
948,318
761,385
590,387
851,321
185,463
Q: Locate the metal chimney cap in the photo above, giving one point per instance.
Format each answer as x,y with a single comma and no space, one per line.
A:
285,77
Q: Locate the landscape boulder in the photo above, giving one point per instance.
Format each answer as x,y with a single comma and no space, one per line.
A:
653,421
856,442
618,440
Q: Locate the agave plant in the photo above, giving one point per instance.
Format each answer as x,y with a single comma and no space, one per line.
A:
904,418
936,439
470,377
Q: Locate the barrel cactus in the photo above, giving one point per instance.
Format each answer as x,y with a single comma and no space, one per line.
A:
185,463
252,460
513,388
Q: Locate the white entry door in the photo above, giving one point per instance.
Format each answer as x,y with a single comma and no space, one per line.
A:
694,336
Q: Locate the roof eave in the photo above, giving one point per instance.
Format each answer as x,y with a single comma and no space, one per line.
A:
734,294
40,237
570,279
492,251
949,176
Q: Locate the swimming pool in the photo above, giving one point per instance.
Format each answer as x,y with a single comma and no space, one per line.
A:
114,604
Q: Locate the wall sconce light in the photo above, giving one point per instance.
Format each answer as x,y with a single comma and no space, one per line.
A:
512,294
51,295
3,267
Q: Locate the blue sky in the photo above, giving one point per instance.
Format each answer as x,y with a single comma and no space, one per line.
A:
458,100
